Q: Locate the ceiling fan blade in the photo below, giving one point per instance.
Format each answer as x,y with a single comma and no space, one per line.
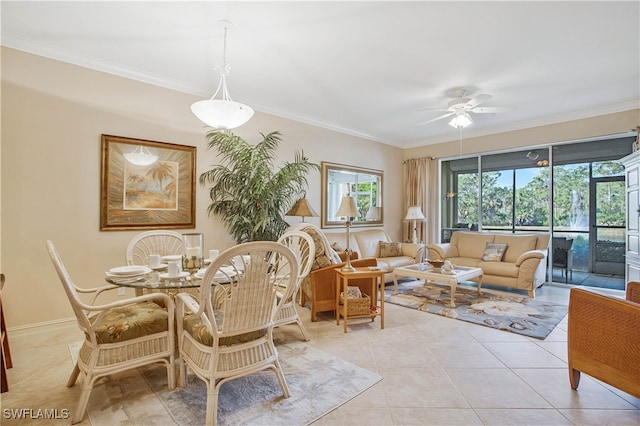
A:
434,109
477,100
437,118
490,110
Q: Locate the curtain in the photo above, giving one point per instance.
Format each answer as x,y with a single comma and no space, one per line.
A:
421,189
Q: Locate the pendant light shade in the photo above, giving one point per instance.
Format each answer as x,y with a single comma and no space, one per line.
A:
222,113
141,157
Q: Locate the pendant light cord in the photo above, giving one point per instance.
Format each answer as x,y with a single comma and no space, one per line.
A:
224,48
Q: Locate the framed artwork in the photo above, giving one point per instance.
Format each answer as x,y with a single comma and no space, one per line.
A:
146,184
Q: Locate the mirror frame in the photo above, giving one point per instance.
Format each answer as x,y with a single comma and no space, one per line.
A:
327,170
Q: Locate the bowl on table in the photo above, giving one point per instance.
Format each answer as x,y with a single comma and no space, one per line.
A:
436,263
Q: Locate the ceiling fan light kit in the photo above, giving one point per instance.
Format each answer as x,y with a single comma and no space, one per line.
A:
222,113
463,105
461,119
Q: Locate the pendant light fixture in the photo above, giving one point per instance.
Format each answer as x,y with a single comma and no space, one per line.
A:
141,156
222,113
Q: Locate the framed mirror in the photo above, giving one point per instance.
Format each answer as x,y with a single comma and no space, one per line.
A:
365,185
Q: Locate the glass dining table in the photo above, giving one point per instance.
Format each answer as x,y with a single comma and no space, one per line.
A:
159,281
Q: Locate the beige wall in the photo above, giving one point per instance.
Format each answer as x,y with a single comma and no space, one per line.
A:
53,115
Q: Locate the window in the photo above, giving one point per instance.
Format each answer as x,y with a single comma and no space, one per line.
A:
515,194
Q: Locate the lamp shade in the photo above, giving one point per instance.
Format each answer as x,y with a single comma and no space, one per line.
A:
347,207
221,113
302,208
373,213
141,157
414,213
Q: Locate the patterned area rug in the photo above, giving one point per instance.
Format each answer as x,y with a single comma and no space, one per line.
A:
496,309
319,383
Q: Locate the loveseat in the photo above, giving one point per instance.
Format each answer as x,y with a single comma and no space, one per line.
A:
389,255
507,260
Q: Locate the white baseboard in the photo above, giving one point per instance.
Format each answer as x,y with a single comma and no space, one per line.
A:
42,324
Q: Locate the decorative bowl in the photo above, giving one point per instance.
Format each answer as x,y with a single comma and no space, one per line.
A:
436,263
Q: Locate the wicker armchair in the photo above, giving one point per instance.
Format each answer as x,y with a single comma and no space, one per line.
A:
228,332
160,242
119,336
602,338
303,247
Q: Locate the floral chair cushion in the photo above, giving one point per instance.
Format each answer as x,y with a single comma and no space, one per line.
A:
130,322
195,327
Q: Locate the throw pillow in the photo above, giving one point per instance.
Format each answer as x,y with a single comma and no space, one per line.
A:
390,249
493,252
337,247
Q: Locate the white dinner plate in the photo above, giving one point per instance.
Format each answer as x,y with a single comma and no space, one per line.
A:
166,275
230,272
129,270
171,257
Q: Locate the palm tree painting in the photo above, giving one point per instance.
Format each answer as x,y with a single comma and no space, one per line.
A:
157,196
151,187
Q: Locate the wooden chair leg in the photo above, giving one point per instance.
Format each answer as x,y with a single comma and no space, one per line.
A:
4,383
5,360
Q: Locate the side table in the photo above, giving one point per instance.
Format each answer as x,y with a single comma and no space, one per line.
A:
342,302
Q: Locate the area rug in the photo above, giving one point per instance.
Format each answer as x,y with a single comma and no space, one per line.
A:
497,309
319,383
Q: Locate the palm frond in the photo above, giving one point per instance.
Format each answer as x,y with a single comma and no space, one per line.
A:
246,191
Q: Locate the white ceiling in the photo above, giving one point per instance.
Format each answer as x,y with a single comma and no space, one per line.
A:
365,68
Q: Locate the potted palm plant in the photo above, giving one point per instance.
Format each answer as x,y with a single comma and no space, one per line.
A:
247,191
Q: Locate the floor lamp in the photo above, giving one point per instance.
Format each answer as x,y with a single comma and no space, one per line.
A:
414,213
348,209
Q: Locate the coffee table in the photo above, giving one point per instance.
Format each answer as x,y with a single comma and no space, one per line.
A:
430,274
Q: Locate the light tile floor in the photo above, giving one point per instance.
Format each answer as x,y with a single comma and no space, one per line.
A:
436,371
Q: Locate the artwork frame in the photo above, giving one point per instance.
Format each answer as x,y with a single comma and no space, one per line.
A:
156,196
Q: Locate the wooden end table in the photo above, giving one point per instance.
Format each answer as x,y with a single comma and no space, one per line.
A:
342,303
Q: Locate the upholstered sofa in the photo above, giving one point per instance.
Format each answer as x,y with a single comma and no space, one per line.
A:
512,260
388,255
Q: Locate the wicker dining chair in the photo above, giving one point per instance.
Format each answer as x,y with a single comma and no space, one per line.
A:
304,248
119,335
227,332
160,242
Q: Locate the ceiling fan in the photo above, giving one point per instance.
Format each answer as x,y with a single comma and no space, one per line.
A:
462,105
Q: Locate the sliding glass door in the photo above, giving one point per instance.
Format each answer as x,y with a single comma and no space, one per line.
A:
608,229
576,191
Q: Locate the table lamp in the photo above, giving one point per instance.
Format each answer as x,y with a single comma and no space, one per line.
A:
414,213
301,208
348,209
373,213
